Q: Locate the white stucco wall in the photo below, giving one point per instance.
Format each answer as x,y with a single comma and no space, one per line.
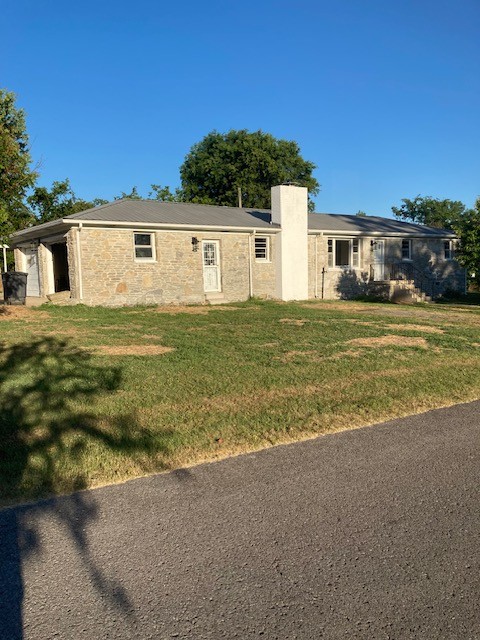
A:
290,210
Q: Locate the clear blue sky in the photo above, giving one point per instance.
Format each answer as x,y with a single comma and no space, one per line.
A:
382,95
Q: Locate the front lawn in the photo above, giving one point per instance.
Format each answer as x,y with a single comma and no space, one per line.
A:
90,396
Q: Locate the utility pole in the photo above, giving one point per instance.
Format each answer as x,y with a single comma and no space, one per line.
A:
240,197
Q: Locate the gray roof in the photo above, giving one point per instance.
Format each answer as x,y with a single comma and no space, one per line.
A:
178,214
370,225
181,213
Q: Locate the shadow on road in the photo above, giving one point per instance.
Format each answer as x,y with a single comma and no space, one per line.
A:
46,389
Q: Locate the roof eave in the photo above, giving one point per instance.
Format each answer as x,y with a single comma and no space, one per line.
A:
172,226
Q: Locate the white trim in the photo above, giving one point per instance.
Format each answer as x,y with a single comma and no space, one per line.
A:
49,281
250,265
79,263
169,225
334,233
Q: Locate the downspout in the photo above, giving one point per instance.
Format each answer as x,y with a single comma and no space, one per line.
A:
316,265
79,263
250,265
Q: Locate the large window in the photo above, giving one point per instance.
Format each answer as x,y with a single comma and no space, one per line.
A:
262,249
406,249
343,254
144,247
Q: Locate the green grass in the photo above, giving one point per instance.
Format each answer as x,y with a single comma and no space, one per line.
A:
238,378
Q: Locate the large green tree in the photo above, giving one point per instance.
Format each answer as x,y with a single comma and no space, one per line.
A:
468,230
16,174
441,214
222,163
454,216
57,202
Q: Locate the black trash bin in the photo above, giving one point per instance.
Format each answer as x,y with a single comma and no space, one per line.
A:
14,287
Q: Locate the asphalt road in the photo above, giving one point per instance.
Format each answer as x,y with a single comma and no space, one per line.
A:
368,534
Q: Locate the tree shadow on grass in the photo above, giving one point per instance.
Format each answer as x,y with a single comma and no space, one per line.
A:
47,389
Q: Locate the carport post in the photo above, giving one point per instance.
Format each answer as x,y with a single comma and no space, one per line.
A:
5,247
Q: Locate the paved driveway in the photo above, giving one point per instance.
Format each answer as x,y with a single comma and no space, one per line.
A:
373,533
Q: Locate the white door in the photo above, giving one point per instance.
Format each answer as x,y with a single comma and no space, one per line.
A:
31,268
379,260
211,266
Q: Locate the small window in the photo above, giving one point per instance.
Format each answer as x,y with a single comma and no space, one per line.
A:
448,250
406,249
262,249
144,249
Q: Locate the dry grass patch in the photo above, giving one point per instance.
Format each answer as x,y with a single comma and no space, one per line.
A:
293,321
424,328
12,312
199,310
389,341
132,350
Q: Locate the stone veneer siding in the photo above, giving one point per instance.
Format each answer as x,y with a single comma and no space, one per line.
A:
112,277
427,256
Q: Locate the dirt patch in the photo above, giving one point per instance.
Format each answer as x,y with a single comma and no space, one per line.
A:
389,341
293,321
132,350
12,312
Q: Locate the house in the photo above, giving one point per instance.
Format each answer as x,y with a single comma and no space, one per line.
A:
140,252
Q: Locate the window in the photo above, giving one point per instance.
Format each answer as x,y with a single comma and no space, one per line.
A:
262,249
406,249
343,253
144,247
448,249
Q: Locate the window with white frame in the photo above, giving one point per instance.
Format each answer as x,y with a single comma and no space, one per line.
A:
406,249
144,247
262,249
448,249
343,253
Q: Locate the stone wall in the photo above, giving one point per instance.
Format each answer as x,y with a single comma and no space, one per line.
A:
427,258
264,272
112,277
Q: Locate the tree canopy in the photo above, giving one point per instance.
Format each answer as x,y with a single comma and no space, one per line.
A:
16,175
441,214
58,201
222,163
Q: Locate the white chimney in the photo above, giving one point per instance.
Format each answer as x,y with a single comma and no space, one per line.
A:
290,211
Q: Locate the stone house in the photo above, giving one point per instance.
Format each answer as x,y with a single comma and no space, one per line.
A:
132,252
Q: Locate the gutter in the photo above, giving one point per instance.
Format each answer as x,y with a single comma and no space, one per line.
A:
250,265
171,226
79,262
